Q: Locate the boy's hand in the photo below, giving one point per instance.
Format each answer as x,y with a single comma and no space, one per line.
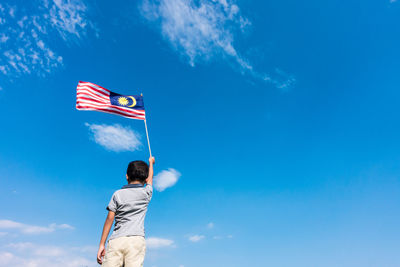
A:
100,254
152,160
106,230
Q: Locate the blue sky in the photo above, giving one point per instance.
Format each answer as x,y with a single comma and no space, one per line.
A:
274,125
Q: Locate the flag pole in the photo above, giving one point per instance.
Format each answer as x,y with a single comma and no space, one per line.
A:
147,133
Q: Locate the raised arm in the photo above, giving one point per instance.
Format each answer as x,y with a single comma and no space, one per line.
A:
106,230
149,179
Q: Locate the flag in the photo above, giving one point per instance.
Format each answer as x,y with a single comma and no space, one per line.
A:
90,96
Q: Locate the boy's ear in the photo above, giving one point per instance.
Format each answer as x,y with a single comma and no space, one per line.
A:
127,178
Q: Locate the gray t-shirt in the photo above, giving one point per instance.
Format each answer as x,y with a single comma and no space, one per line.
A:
130,205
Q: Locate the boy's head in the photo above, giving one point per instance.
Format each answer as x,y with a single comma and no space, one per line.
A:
138,170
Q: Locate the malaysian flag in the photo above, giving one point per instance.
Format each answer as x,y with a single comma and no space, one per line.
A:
90,96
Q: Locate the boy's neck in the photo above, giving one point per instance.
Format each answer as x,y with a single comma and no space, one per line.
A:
135,182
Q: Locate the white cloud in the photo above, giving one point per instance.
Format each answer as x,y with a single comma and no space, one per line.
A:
165,179
282,79
3,69
29,33
40,44
69,17
6,259
87,249
3,38
196,238
29,254
43,251
200,30
210,225
65,226
32,229
156,242
217,237
115,137
11,11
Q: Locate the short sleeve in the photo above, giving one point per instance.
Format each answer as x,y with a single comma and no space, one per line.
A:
112,206
149,191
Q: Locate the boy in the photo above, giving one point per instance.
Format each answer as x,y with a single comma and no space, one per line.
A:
126,246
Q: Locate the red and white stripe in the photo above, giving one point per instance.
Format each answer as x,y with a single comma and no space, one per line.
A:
90,96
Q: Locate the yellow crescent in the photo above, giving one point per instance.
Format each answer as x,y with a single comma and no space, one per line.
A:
133,102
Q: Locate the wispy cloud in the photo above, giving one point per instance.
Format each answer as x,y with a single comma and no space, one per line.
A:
218,237
165,179
4,38
196,238
210,225
37,250
29,254
201,30
32,229
197,30
27,42
156,242
115,137
68,17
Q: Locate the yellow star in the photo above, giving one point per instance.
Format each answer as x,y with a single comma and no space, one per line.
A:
123,101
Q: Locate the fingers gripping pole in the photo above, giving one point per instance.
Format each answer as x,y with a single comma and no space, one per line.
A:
147,134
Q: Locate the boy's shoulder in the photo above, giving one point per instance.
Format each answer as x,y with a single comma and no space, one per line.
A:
134,188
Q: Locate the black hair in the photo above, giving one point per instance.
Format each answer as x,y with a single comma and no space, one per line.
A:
138,170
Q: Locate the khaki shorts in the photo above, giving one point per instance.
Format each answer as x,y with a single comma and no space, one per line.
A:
127,251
